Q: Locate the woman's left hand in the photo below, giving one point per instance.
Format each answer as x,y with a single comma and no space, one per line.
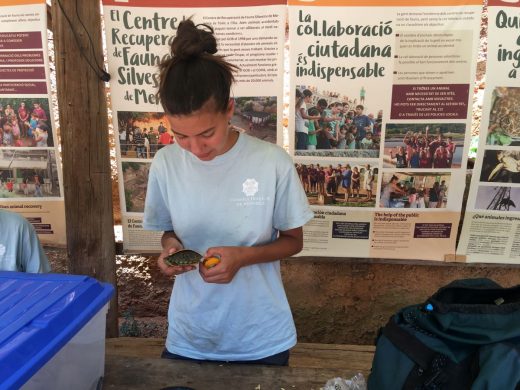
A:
223,272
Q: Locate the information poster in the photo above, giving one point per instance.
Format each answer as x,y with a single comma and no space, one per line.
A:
380,121
251,34
30,167
491,229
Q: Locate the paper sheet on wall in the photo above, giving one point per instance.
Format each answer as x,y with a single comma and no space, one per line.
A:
380,121
250,33
30,168
491,229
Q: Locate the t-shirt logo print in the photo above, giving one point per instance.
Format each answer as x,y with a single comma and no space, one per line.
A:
250,187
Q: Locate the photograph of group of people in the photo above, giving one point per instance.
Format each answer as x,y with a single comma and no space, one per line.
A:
328,122
24,122
414,190
504,117
142,134
424,145
346,184
28,173
501,198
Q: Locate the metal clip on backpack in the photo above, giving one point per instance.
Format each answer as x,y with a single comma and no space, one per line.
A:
466,336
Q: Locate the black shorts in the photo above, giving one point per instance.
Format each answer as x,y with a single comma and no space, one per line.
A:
279,359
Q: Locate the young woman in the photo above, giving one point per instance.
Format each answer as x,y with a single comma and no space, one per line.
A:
441,158
356,182
412,198
390,188
347,181
433,196
8,111
302,132
23,117
221,192
424,158
400,157
324,137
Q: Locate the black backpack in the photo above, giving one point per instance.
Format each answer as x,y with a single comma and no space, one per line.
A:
466,336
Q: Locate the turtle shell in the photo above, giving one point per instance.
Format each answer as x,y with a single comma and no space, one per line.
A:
183,257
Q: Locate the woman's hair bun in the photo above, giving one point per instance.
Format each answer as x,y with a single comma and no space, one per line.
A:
192,41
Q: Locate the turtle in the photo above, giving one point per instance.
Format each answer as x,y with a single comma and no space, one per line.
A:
183,257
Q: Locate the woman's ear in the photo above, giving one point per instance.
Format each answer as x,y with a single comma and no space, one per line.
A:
230,109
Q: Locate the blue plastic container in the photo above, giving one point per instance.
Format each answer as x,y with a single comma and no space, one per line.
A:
52,331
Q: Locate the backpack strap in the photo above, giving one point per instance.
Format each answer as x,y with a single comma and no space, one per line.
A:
409,344
433,370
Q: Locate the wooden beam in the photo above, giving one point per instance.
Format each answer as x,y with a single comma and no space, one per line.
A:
85,147
49,17
356,358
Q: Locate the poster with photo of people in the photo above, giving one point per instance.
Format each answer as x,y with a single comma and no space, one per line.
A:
250,34
386,83
414,190
345,184
30,167
491,229
331,124
142,134
25,122
29,173
424,146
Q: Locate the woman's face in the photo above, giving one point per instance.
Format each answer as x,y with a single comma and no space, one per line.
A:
204,133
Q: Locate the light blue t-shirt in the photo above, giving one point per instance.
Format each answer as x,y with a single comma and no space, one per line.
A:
241,198
20,249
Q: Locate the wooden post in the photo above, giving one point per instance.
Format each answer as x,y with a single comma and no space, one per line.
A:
85,148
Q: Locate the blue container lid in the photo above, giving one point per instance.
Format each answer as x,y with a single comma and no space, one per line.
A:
39,314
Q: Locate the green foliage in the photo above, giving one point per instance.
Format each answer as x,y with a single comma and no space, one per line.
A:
128,200
240,101
129,327
455,130
131,165
248,106
139,116
15,103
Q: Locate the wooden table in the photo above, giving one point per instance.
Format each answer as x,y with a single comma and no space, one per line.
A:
134,363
